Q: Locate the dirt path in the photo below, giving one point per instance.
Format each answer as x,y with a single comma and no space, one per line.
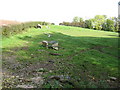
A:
23,74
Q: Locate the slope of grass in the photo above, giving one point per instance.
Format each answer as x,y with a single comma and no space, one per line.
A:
87,57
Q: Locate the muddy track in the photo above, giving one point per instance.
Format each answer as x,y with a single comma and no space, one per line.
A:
15,72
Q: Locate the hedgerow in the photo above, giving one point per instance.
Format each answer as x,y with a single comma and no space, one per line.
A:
11,29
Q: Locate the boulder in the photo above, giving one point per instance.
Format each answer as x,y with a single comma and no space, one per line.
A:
50,44
38,26
24,86
53,44
113,78
37,80
49,35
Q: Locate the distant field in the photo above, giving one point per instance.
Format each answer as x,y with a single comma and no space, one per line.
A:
87,58
6,22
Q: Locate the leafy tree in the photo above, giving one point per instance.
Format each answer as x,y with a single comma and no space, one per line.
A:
66,23
88,24
81,20
116,26
116,23
98,21
104,26
110,25
76,19
105,16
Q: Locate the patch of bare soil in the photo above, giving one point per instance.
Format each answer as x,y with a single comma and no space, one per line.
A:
6,22
23,74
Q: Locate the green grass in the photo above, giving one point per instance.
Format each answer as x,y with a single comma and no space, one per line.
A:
89,57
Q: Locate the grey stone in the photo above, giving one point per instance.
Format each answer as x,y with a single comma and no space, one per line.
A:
39,26
56,54
49,35
50,44
37,80
113,78
60,77
24,86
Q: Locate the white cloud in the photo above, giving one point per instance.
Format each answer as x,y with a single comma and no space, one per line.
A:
55,10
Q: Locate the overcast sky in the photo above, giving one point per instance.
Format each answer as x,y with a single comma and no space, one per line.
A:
56,10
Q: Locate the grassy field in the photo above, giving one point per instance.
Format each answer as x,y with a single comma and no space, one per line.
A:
87,59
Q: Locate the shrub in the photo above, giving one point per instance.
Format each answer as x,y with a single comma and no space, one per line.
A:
88,24
18,28
52,23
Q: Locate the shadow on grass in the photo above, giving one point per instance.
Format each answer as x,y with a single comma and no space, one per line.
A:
89,59
113,35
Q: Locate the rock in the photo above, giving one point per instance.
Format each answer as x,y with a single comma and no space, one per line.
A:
61,78
113,78
56,54
41,70
41,50
12,76
51,61
32,54
37,80
108,80
45,43
38,26
27,80
47,27
50,71
49,35
55,77
50,44
24,86
54,44
20,81
21,78
17,76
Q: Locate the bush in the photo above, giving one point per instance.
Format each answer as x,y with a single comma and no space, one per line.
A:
88,24
18,28
52,23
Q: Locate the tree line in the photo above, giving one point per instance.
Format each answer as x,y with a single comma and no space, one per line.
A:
99,22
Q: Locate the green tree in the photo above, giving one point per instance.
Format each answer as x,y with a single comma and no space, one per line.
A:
76,19
116,20
81,20
88,24
104,26
98,21
116,26
105,16
110,25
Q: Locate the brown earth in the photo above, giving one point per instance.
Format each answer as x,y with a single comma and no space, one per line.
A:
6,22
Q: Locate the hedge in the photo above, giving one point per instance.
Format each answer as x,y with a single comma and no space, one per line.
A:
18,28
